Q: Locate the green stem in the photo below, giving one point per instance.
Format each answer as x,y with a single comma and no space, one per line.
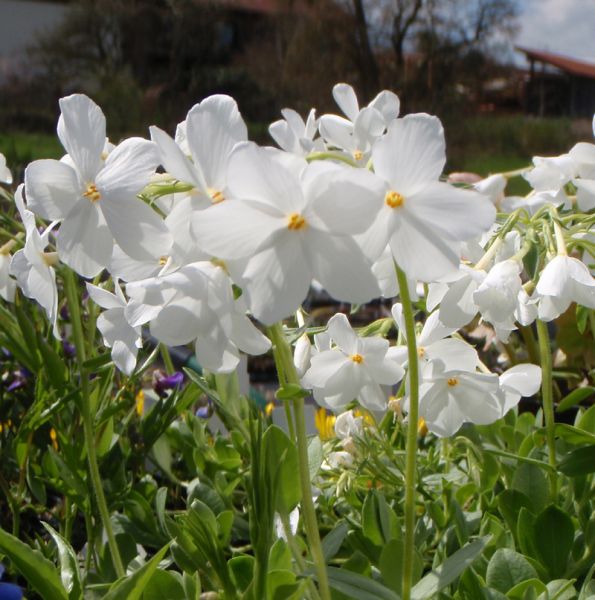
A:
167,361
411,444
72,296
284,361
276,336
545,354
331,156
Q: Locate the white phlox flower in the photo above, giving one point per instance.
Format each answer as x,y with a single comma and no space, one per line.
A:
201,152
347,425
356,133
522,380
451,397
493,187
95,198
196,304
5,174
278,231
497,296
33,266
433,343
455,297
354,368
294,135
123,339
7,284
564,280
422,219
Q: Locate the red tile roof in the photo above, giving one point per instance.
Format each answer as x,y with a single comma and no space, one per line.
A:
565,63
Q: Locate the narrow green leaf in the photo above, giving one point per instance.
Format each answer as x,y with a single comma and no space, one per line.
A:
165,585
69,567
576,397
449,570
132,587
39,572
357,586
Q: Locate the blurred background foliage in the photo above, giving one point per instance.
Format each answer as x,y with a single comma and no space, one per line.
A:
149,61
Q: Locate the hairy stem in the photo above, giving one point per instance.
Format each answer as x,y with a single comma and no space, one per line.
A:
411,444
72,296
284,361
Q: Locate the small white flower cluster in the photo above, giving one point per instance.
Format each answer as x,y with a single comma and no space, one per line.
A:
342,201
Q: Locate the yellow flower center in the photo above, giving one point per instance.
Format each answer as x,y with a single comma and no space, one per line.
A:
452,381
421,351
357,358
295,222
50,258
162,261
393,199
358,155
216,195
139,402
92,193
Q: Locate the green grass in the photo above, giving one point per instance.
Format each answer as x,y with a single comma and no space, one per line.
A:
485,164
22,148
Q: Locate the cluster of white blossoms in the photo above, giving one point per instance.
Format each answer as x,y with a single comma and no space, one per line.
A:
184,224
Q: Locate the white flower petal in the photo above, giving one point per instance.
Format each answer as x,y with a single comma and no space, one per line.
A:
235,229
276,281
388,104
216,353
84,241
342,333
137,228
104,298
411,154
173,159
247,337
340,266
52,188
81,129
346,99
128,168
255,175
525,379
213,127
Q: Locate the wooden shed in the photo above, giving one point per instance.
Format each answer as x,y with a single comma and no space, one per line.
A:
558,85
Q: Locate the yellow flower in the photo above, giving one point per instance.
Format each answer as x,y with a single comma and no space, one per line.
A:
325,423
140,403
54,438
422,428
269,408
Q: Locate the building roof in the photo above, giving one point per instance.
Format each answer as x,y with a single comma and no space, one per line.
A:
579,68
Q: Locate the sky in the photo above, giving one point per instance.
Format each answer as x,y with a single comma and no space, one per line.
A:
559,26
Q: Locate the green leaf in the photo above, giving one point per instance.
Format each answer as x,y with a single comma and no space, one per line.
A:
531,481
582,318
332,542
553,535
510,503
165,585
39,572
575,397
133,586
242,570
391,565
291,391
282,461
587,421
69,567
315,456
530,586
508,568
578,462
524,531
575,435
449,570
357,586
